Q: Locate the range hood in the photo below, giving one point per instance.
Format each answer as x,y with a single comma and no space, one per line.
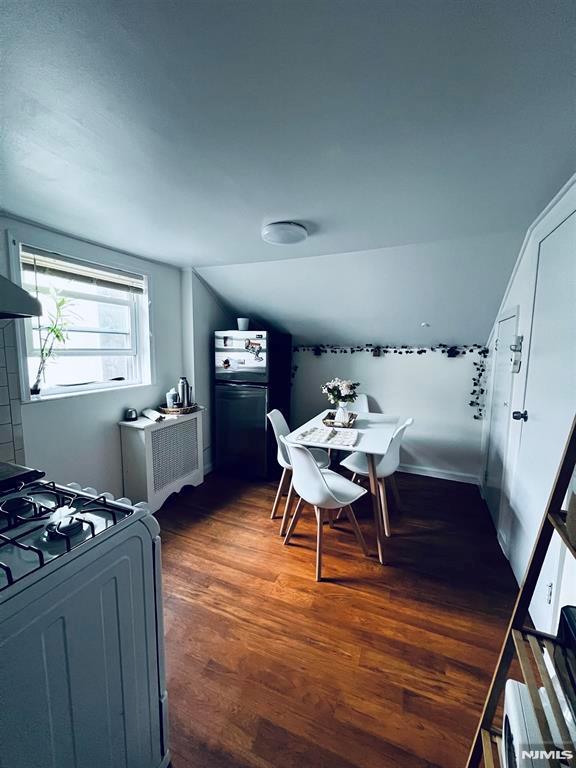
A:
16,302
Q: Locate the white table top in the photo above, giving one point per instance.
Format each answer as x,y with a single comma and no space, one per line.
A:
375,431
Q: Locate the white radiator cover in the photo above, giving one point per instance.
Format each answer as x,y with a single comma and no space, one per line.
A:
160,458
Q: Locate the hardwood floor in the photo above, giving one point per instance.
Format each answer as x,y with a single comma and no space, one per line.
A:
376,667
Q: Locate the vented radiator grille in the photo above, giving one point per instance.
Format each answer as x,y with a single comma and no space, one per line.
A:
174,452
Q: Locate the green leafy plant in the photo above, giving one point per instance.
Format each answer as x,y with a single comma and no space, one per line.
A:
50,334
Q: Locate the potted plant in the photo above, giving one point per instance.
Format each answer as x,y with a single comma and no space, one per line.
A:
340,392
49,334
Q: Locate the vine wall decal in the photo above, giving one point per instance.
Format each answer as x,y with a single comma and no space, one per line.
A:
379,350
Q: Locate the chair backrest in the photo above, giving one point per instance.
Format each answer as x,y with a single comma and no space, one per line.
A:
389,463
360,405
307,477
281,429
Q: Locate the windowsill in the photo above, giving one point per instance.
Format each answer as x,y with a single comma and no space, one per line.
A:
80,393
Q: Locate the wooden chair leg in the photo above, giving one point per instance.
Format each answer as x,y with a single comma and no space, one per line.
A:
340,514
356,528
384,506
278,494
295,518
286,515
341,510
395,493
319,536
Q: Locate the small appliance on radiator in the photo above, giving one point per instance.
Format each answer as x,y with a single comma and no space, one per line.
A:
82,682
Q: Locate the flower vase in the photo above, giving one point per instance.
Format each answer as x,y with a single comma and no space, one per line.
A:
342,414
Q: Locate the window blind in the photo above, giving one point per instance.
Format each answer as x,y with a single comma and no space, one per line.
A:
38,261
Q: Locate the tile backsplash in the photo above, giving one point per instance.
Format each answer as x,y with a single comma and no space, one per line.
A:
11,439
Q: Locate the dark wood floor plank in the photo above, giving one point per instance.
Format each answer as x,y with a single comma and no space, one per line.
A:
378,667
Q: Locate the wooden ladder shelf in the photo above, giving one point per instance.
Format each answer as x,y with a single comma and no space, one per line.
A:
529,644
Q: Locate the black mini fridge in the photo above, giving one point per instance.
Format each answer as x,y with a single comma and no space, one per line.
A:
252,371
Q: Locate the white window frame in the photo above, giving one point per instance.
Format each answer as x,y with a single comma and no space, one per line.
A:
141,324
109,352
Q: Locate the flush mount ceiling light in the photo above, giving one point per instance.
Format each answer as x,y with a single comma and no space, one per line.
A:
284,233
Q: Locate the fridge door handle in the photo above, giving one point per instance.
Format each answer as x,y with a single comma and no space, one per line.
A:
243,384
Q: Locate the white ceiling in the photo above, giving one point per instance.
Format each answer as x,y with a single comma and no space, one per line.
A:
176,129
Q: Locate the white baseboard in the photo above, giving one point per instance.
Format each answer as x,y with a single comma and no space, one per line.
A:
441,474
502,544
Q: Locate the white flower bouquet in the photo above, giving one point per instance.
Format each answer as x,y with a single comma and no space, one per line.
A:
340,391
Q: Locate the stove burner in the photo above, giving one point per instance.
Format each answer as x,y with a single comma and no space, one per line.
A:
66,526
38,514
18,505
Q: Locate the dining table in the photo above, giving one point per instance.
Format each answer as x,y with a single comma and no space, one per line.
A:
374,434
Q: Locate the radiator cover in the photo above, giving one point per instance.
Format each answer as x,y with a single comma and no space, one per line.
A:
160,458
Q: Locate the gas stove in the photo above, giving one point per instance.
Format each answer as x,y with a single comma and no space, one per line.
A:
81,633
41,521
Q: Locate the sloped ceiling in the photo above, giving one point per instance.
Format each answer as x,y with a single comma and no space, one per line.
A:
175,129
378,296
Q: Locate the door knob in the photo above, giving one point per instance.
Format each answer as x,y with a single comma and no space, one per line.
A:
520,415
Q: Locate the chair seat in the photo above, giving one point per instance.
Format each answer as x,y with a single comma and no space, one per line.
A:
345,491
321,457
356,462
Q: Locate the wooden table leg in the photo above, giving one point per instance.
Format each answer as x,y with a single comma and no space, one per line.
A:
319,536
375,504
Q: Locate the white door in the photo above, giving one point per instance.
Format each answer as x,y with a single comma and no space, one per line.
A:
550,403
500,414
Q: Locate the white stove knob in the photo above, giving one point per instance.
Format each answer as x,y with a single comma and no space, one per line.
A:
90,491
124,500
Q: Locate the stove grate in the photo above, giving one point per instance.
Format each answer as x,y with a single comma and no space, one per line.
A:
41,512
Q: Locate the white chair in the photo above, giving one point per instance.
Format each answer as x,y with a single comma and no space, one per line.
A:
325,491
386,465
360,405
321,457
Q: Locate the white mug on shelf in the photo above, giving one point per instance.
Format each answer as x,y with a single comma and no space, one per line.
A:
243,323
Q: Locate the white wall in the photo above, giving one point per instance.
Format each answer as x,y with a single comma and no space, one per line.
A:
203,313
382,295
445,440
77,438
515,531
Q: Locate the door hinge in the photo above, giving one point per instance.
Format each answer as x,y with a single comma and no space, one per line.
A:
549,590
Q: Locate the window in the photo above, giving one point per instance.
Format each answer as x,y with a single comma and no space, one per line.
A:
94,325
